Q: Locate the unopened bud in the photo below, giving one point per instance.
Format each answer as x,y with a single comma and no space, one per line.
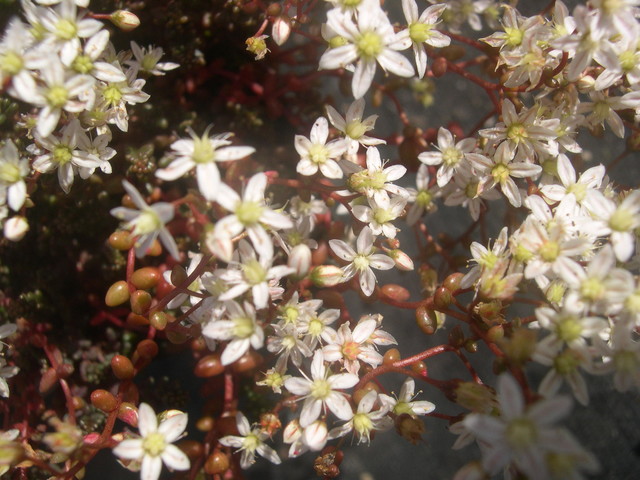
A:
117,294
103,400
217,463
402,260
300,259
140,301
209,366
396,292
16,228
326,275
315,435
122,367
125,20
281,29
145,278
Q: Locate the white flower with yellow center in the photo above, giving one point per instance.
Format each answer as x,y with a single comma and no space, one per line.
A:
316,154
351,347
239,327
364,421
370,40
405,403
13,169
522,434
147,60
250,442
148,222
154,446
450,155
362,260
354,127
249,213
321,391
202,153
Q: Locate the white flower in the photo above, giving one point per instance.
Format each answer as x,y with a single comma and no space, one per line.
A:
353,127
422,198
420,30
146,60
350,347
13,169
321,390
202,153
578,187
249,443
64,155
450,155
315,153
362,261
88,60
155,445
375,180
240,327
364,421
148,222
314,437
6,372
405,402
255,274
248,213
371,39
521,436
60,91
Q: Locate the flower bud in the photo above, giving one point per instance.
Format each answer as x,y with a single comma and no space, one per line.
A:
140,302
452,282
411,429
205,424
16,228
326,275
391,356
145,278
121,240
125,20
426,320
128,414
315,435
442,298
281,29
103,400
209,366
217,463
396,292
147,349
300,259
48,380
439,67
117,294
159,320
122,367
402,260
270,423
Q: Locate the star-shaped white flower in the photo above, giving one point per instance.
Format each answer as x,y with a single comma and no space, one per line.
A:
148,222
155,443
370,40
321,390
250,442
202,153
13,169
316,154
362,261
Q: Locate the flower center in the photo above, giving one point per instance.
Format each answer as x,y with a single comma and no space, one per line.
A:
355,129
9,173
500,173
112,94
147,222
290,315
154,444
568,328
149,62
521,433
315,327
451,156
320,389
361,262
522,254
83,64
362,424
203,152
622,220
566,362
513,36
251,442
65,29
516,132
289,342
382,216
592,289
424,198
249,213
632,303
601,110
579,191
369,45
62,154
57,96
549,251
488,260
11,63
628,61
420,32
403,407
351,350
243,327
318,154
254,273
471,189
